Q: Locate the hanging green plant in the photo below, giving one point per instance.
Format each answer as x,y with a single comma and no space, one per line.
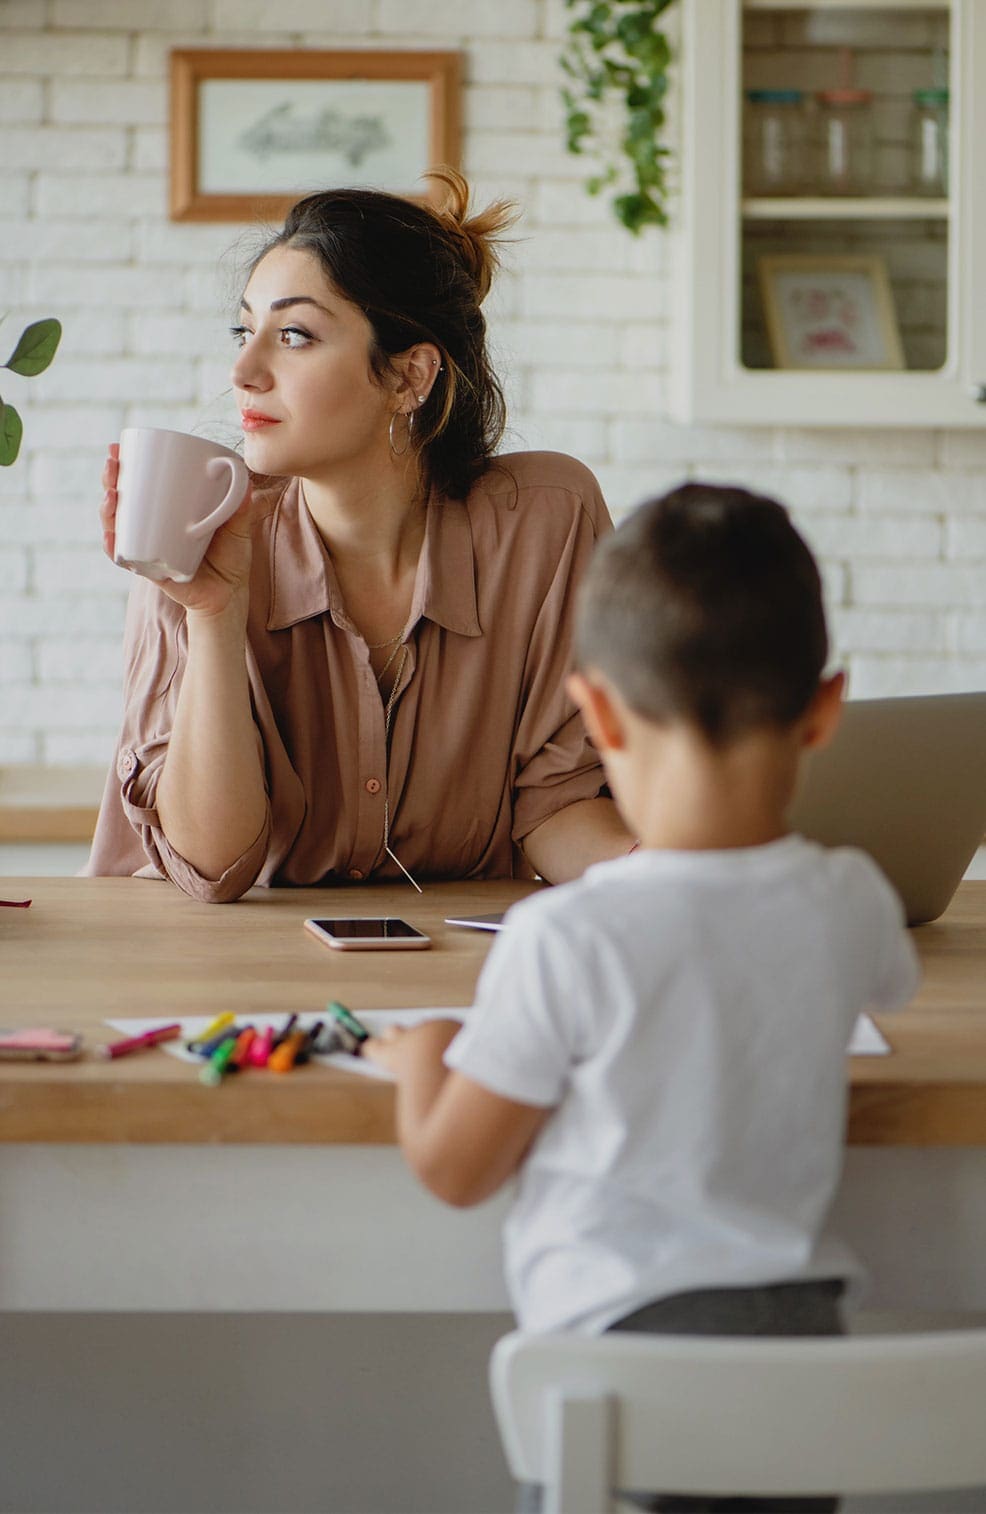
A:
32,355
617,59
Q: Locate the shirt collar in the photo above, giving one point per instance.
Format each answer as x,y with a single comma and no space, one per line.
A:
303,583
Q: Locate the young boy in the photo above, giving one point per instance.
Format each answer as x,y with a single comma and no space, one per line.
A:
658,1049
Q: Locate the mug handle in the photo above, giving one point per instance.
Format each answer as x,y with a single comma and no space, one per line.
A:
232,499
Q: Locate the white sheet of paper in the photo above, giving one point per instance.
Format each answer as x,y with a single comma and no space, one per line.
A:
865,1041
375,1020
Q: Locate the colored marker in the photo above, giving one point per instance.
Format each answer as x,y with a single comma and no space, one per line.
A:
285,1054
206,1048
241,1049
260,1047
219,1023
284,1032
218,1063
138,1043
327,1041
309,1043
351,1031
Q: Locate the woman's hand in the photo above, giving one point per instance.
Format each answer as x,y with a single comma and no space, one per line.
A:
224,575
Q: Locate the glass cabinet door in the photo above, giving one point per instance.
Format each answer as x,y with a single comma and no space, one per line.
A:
830,221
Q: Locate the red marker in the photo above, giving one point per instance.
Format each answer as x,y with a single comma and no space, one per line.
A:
138,1043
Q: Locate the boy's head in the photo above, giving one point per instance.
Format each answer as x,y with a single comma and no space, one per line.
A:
705,606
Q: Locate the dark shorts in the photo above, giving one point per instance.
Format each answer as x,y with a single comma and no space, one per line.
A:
810,1308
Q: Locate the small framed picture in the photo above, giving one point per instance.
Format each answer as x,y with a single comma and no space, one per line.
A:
829,312
254,130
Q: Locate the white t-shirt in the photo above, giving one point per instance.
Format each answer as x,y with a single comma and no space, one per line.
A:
686,1014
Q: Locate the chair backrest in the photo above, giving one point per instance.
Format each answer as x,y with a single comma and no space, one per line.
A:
865,1414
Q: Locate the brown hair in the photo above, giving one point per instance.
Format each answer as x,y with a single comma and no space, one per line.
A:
706,606
419,273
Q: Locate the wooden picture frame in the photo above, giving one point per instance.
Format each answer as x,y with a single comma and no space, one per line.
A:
252,130
828,312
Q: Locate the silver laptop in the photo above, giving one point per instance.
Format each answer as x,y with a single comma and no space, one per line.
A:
905,779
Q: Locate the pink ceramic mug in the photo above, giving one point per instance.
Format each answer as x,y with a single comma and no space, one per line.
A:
173,491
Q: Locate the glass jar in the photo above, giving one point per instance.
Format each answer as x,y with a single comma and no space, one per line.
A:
774,142
929,142
844,142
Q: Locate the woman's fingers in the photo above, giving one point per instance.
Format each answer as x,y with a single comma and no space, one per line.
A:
111,467
107,510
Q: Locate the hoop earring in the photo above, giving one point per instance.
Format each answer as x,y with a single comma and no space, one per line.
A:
400,451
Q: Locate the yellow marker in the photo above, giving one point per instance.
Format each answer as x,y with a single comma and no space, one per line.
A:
219,1023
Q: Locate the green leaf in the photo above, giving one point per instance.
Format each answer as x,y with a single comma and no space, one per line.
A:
11,431
35,349
617,57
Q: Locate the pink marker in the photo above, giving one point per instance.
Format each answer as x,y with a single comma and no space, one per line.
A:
259,1049
137,1043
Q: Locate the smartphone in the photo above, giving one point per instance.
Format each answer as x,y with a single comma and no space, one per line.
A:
39,1044
371,933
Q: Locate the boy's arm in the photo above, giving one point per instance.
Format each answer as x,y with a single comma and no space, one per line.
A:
462,1141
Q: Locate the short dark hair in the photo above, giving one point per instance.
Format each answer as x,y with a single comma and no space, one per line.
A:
706,605
419,272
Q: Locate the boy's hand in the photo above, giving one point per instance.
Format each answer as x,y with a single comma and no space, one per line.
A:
383,1050
402,1048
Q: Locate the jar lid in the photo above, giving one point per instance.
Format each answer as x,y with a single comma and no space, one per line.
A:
844,96
774,96
931,96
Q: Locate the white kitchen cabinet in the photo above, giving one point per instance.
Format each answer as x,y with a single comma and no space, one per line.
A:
726,368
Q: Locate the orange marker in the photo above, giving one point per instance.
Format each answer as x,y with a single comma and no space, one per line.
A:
240,1054
282,1058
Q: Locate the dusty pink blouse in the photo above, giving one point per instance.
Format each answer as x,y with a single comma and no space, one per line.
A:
484,742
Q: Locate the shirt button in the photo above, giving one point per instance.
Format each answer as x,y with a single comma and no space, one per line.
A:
373,785
356,872
126,764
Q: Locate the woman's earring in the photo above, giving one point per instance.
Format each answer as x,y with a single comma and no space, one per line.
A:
409,418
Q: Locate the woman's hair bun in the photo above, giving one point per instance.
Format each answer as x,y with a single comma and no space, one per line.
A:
476,236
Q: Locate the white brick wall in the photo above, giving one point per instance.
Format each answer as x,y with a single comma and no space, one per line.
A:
578,322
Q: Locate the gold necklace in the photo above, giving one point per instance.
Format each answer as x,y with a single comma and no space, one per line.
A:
377,646
390,660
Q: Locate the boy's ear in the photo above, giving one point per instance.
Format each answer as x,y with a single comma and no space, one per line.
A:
602,719
825,711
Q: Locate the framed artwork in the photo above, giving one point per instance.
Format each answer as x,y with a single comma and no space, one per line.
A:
829,312
252,131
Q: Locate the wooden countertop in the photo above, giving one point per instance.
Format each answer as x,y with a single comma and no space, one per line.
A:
92,948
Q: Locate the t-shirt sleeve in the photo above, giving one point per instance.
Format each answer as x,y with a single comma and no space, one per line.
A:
520,1039
128,839
555,763
897,970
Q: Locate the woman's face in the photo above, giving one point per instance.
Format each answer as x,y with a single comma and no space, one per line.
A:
309,403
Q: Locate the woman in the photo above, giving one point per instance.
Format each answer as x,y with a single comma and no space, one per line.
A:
365,677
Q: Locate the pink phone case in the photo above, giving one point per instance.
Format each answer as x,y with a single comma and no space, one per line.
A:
41,1043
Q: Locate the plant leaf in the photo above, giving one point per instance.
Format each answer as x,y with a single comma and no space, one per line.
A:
36,348
11,431
617,61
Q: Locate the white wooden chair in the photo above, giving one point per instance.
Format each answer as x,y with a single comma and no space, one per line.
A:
763,1417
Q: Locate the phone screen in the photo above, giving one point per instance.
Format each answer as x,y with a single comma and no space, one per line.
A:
374,929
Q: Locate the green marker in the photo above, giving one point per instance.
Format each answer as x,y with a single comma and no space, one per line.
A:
352,1032
218,1063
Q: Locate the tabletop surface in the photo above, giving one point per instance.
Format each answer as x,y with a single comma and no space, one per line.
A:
89,949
